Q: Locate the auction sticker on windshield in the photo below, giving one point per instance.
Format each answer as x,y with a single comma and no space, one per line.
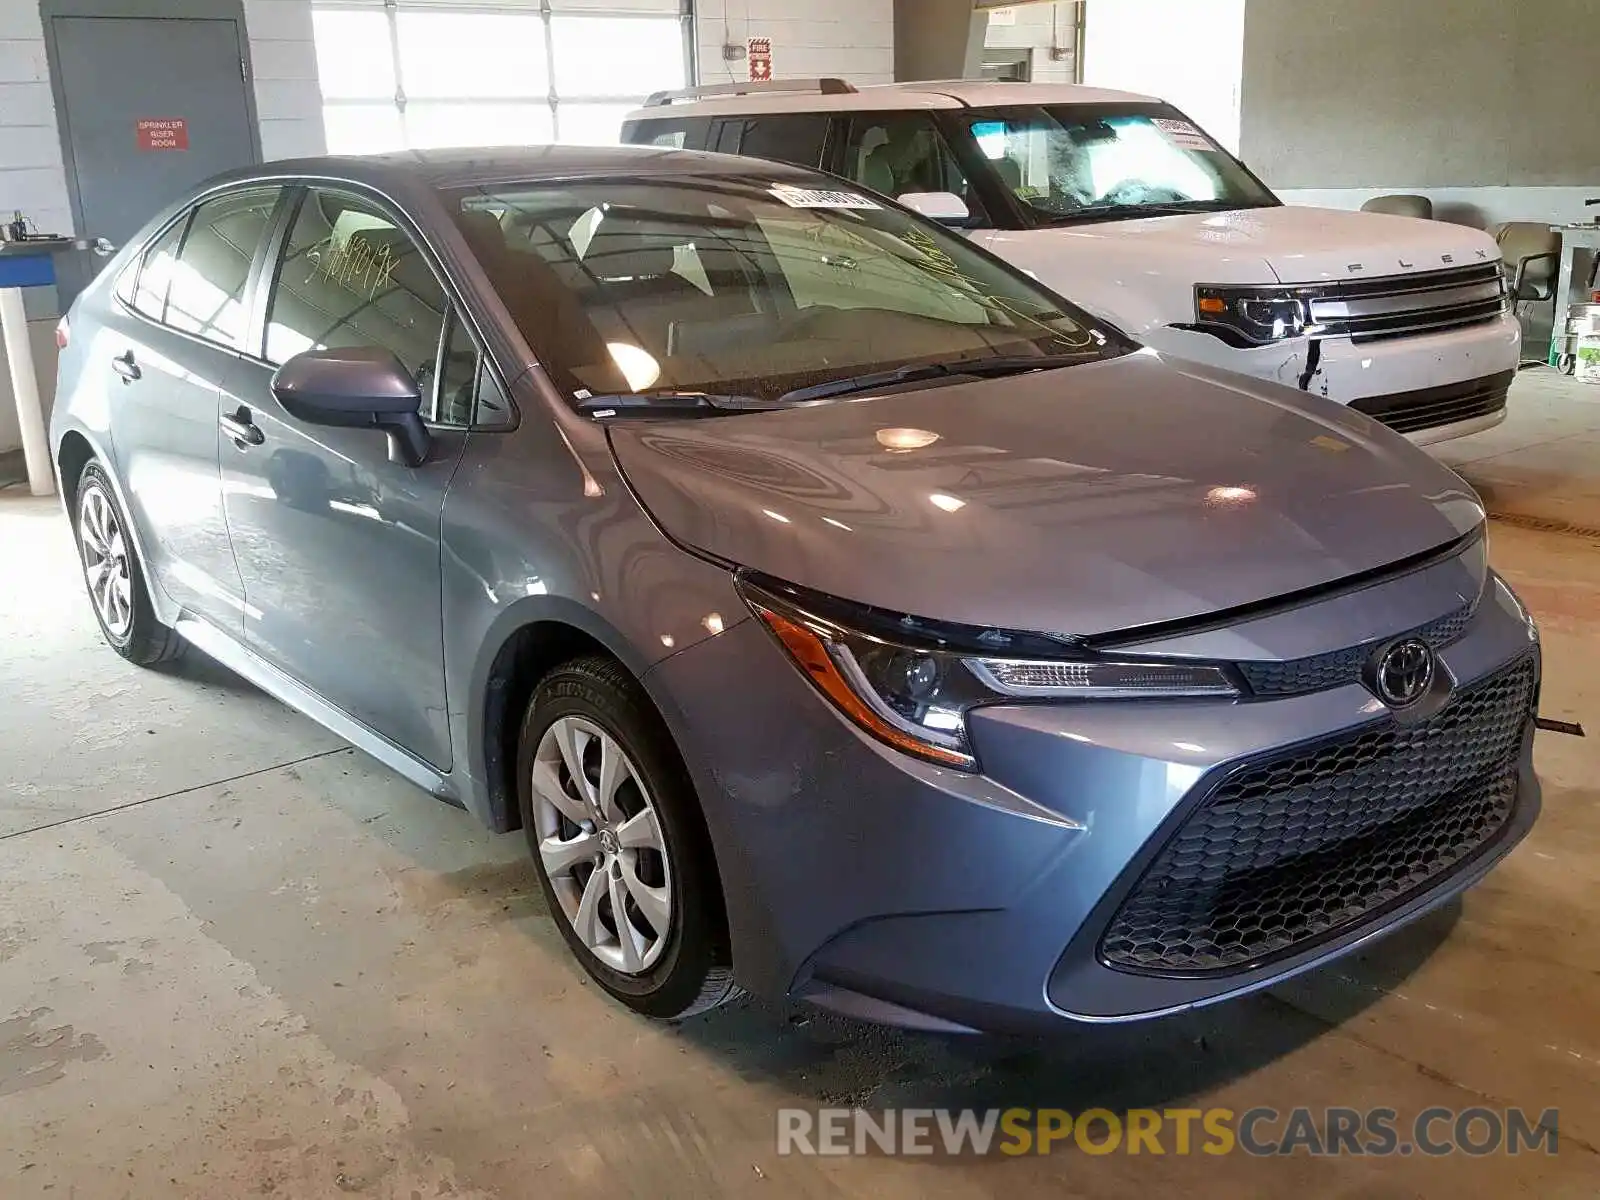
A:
798,197
1183,134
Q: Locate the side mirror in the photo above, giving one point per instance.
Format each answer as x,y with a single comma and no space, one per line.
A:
947,208
356,388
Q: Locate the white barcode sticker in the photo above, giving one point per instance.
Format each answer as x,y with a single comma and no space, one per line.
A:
798,197
1183,134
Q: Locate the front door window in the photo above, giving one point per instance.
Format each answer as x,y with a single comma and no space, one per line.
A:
901,153
350,276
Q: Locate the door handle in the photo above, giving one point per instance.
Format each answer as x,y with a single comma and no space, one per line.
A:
240,427
124,365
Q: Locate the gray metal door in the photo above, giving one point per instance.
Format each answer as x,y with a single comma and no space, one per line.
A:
152,106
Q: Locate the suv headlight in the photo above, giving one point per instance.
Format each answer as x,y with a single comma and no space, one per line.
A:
1254,316
911,683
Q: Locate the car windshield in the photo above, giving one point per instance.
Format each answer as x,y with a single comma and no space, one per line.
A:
1069,164
741,287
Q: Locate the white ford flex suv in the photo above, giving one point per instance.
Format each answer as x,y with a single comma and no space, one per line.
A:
1124,205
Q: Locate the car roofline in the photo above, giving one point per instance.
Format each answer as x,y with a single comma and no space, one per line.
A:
930,95
485,167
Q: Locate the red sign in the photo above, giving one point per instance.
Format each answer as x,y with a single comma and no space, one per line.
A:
760,60
162,133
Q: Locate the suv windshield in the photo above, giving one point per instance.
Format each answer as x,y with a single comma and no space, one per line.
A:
1075,163
741,287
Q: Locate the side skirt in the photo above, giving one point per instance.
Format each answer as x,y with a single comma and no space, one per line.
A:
239,658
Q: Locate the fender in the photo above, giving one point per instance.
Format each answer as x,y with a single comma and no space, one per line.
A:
167,609
477,709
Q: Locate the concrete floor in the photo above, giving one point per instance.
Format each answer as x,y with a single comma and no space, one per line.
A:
239,959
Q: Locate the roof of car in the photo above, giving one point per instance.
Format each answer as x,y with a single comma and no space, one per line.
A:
925,94
980,92
482,166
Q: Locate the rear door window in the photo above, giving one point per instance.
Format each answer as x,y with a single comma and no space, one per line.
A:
796,138
155,272
206,293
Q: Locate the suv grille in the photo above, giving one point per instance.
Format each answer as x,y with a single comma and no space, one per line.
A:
1340,667
1427,408
1297,849
1397,305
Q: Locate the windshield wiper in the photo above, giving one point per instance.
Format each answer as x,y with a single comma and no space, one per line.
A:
646,404
981,368
1159,208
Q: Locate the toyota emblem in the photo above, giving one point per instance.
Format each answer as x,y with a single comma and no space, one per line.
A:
1404,673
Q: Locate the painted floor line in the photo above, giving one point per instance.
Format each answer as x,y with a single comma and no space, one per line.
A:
116,808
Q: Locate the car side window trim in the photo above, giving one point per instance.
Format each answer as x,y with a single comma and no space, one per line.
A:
138,264
441,366
834,143
131,301
483,377
296,191
441,369
719,125
261,271
1005,210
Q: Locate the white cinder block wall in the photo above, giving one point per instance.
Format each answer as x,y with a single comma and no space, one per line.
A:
32,175
850,39
1039,29
284,61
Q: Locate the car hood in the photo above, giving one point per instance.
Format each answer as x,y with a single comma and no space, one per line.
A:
1300,245
1079,501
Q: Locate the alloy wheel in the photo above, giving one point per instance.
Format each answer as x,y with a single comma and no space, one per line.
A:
105,561
599,840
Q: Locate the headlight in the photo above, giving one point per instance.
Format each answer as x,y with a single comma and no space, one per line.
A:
911,683
1253,316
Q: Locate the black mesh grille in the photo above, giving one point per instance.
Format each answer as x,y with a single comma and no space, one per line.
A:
1293,850
1339,667
1427,408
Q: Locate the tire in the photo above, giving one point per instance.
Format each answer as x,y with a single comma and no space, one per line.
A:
671,973
114,576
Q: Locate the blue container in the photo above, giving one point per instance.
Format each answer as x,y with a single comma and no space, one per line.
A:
21,266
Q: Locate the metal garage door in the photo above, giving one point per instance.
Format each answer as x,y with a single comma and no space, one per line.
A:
410,73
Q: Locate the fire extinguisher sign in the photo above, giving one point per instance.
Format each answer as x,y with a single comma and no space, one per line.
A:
760,60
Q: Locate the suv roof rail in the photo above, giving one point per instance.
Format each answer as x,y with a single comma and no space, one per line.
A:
825,87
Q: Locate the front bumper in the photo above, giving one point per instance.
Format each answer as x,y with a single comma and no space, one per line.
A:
1430,387
895,890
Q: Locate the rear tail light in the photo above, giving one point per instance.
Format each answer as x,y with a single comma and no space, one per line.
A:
63,333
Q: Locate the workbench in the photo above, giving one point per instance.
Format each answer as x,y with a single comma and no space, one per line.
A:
1573,239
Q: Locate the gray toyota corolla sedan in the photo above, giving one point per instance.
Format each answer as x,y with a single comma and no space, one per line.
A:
840,614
